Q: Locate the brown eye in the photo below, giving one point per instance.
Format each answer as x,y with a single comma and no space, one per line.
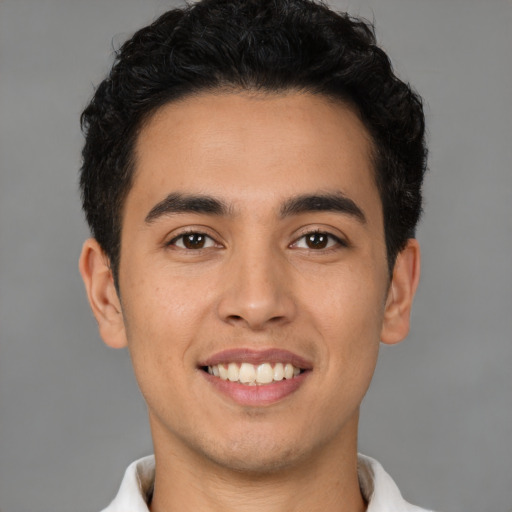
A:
193,240
317,240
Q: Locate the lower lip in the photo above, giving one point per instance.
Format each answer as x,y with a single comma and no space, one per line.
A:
259,395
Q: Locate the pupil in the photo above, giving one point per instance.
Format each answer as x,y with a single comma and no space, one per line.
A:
317,241
194,241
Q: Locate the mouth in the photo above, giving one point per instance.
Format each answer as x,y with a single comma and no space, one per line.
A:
255,378
253,375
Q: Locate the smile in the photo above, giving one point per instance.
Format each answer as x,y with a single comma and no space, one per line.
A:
255,378
254,375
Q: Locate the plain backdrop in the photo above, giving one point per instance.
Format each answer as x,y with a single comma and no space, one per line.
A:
439,411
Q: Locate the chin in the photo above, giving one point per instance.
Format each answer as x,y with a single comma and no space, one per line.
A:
257,460
262,452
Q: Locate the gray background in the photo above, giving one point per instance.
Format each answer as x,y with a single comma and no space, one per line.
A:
439,412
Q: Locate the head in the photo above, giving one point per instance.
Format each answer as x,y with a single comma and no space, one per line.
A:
259,46
252,177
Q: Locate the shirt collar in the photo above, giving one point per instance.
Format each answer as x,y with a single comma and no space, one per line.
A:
377,488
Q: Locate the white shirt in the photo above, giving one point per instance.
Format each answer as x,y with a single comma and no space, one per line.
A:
377,487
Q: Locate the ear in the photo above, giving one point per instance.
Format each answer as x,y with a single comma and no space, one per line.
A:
406,276
102,294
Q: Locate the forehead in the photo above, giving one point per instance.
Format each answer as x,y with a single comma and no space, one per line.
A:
253,147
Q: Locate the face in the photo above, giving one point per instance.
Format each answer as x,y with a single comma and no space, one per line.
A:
254,287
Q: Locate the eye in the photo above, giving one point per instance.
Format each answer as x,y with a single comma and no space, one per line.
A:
318,240
193,240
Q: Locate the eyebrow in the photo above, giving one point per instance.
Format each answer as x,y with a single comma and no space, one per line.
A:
176,203
337,202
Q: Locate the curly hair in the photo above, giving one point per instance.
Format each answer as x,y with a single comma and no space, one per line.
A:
258,45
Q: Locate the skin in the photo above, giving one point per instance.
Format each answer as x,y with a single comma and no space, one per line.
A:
255,284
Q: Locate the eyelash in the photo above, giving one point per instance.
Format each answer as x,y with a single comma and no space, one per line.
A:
338,242
182,236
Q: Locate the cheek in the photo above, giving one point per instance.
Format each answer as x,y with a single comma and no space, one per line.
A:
164,313
159,318
159,328
348,314
160,296
349,303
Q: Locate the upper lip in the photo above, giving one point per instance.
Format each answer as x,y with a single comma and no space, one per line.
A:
247,355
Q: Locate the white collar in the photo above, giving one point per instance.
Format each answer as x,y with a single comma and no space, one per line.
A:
377,487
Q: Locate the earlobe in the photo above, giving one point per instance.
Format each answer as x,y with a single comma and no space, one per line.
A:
406,275
102,294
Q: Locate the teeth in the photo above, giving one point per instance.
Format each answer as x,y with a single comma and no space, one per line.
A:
233,372
247,373
223,371
279,371
264,374
252,375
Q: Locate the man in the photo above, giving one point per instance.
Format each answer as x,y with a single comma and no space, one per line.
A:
252,178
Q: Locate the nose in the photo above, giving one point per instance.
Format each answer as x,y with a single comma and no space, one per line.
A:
256,289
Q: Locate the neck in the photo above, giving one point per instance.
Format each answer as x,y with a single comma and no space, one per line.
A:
325,481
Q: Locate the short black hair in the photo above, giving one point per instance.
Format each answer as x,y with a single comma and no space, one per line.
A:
256,45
